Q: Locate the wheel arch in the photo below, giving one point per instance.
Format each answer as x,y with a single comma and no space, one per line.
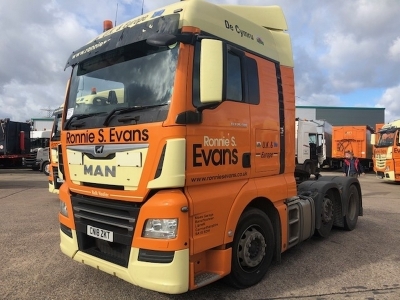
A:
344,184
317,190
266,206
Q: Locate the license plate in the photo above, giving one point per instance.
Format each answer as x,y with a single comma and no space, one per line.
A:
59,180
99,233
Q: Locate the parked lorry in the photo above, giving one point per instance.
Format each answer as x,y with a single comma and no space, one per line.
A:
55,180
356,139
189,175
373,143
14,142
38,158
387,151
313,144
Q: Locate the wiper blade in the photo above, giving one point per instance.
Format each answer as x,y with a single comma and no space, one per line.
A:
121,110
80,117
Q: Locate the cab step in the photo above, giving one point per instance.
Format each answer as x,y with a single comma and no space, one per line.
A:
205,278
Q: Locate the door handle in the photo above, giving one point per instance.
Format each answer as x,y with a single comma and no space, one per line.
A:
246,160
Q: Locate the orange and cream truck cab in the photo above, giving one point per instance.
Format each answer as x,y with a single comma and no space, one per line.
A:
387,151
184,172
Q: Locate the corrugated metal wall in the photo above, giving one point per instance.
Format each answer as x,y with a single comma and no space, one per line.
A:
341,116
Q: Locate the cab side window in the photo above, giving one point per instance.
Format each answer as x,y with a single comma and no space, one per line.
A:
241,82
234,89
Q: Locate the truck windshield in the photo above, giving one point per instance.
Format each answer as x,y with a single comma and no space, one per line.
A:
386,138
39,143
137,75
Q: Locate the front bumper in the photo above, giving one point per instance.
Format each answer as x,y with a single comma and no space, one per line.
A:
170,278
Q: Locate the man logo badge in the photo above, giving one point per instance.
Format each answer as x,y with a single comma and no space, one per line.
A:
98,149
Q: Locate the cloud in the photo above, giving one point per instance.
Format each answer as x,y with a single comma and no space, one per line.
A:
339,46
394,50
37,39
390,101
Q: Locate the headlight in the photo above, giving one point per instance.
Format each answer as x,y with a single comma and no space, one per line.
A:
63,208
387,169
160,228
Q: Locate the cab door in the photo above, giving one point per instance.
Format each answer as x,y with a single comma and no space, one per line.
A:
218,153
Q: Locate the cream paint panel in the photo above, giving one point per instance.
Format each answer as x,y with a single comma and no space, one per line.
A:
74,157
211,71
52,189
68,246
54,156
213,19
265,16
391,176
389,154
125,174
171,278
173,169
283,43
128,159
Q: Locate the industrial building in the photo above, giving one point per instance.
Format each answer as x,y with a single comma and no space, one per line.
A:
343,116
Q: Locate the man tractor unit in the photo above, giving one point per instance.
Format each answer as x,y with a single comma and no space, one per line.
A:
177,150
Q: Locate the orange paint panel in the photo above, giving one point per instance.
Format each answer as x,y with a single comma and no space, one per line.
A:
65,197
168,204
209,213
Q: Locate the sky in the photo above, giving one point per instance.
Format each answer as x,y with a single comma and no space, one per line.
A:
346,53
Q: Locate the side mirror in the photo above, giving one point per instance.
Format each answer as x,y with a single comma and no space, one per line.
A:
211,71
373,139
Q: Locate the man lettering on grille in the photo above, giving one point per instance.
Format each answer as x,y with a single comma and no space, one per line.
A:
351,165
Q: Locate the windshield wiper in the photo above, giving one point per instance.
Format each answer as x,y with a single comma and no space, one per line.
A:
80,117
121,110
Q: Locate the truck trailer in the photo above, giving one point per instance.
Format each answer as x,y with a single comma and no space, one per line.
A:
356,139
14,142
182,172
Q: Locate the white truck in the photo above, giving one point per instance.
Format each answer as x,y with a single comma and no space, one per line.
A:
39,155
313,144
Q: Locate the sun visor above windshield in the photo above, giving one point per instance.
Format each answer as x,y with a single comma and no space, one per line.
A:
126,36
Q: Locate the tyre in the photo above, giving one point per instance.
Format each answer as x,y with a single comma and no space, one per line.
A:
353,209
46,168
326,216
253,249
308,169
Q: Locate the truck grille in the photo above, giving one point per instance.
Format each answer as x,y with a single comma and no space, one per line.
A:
380,161
30,160
116,216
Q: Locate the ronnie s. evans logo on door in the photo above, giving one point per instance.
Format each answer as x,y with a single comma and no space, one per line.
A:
215,151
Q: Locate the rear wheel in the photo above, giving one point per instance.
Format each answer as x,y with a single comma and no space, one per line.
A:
326,216
253,248
353,209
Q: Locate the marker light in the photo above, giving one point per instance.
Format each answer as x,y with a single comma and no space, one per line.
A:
107,25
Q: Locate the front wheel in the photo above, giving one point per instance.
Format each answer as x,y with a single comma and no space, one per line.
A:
253,248
46,168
